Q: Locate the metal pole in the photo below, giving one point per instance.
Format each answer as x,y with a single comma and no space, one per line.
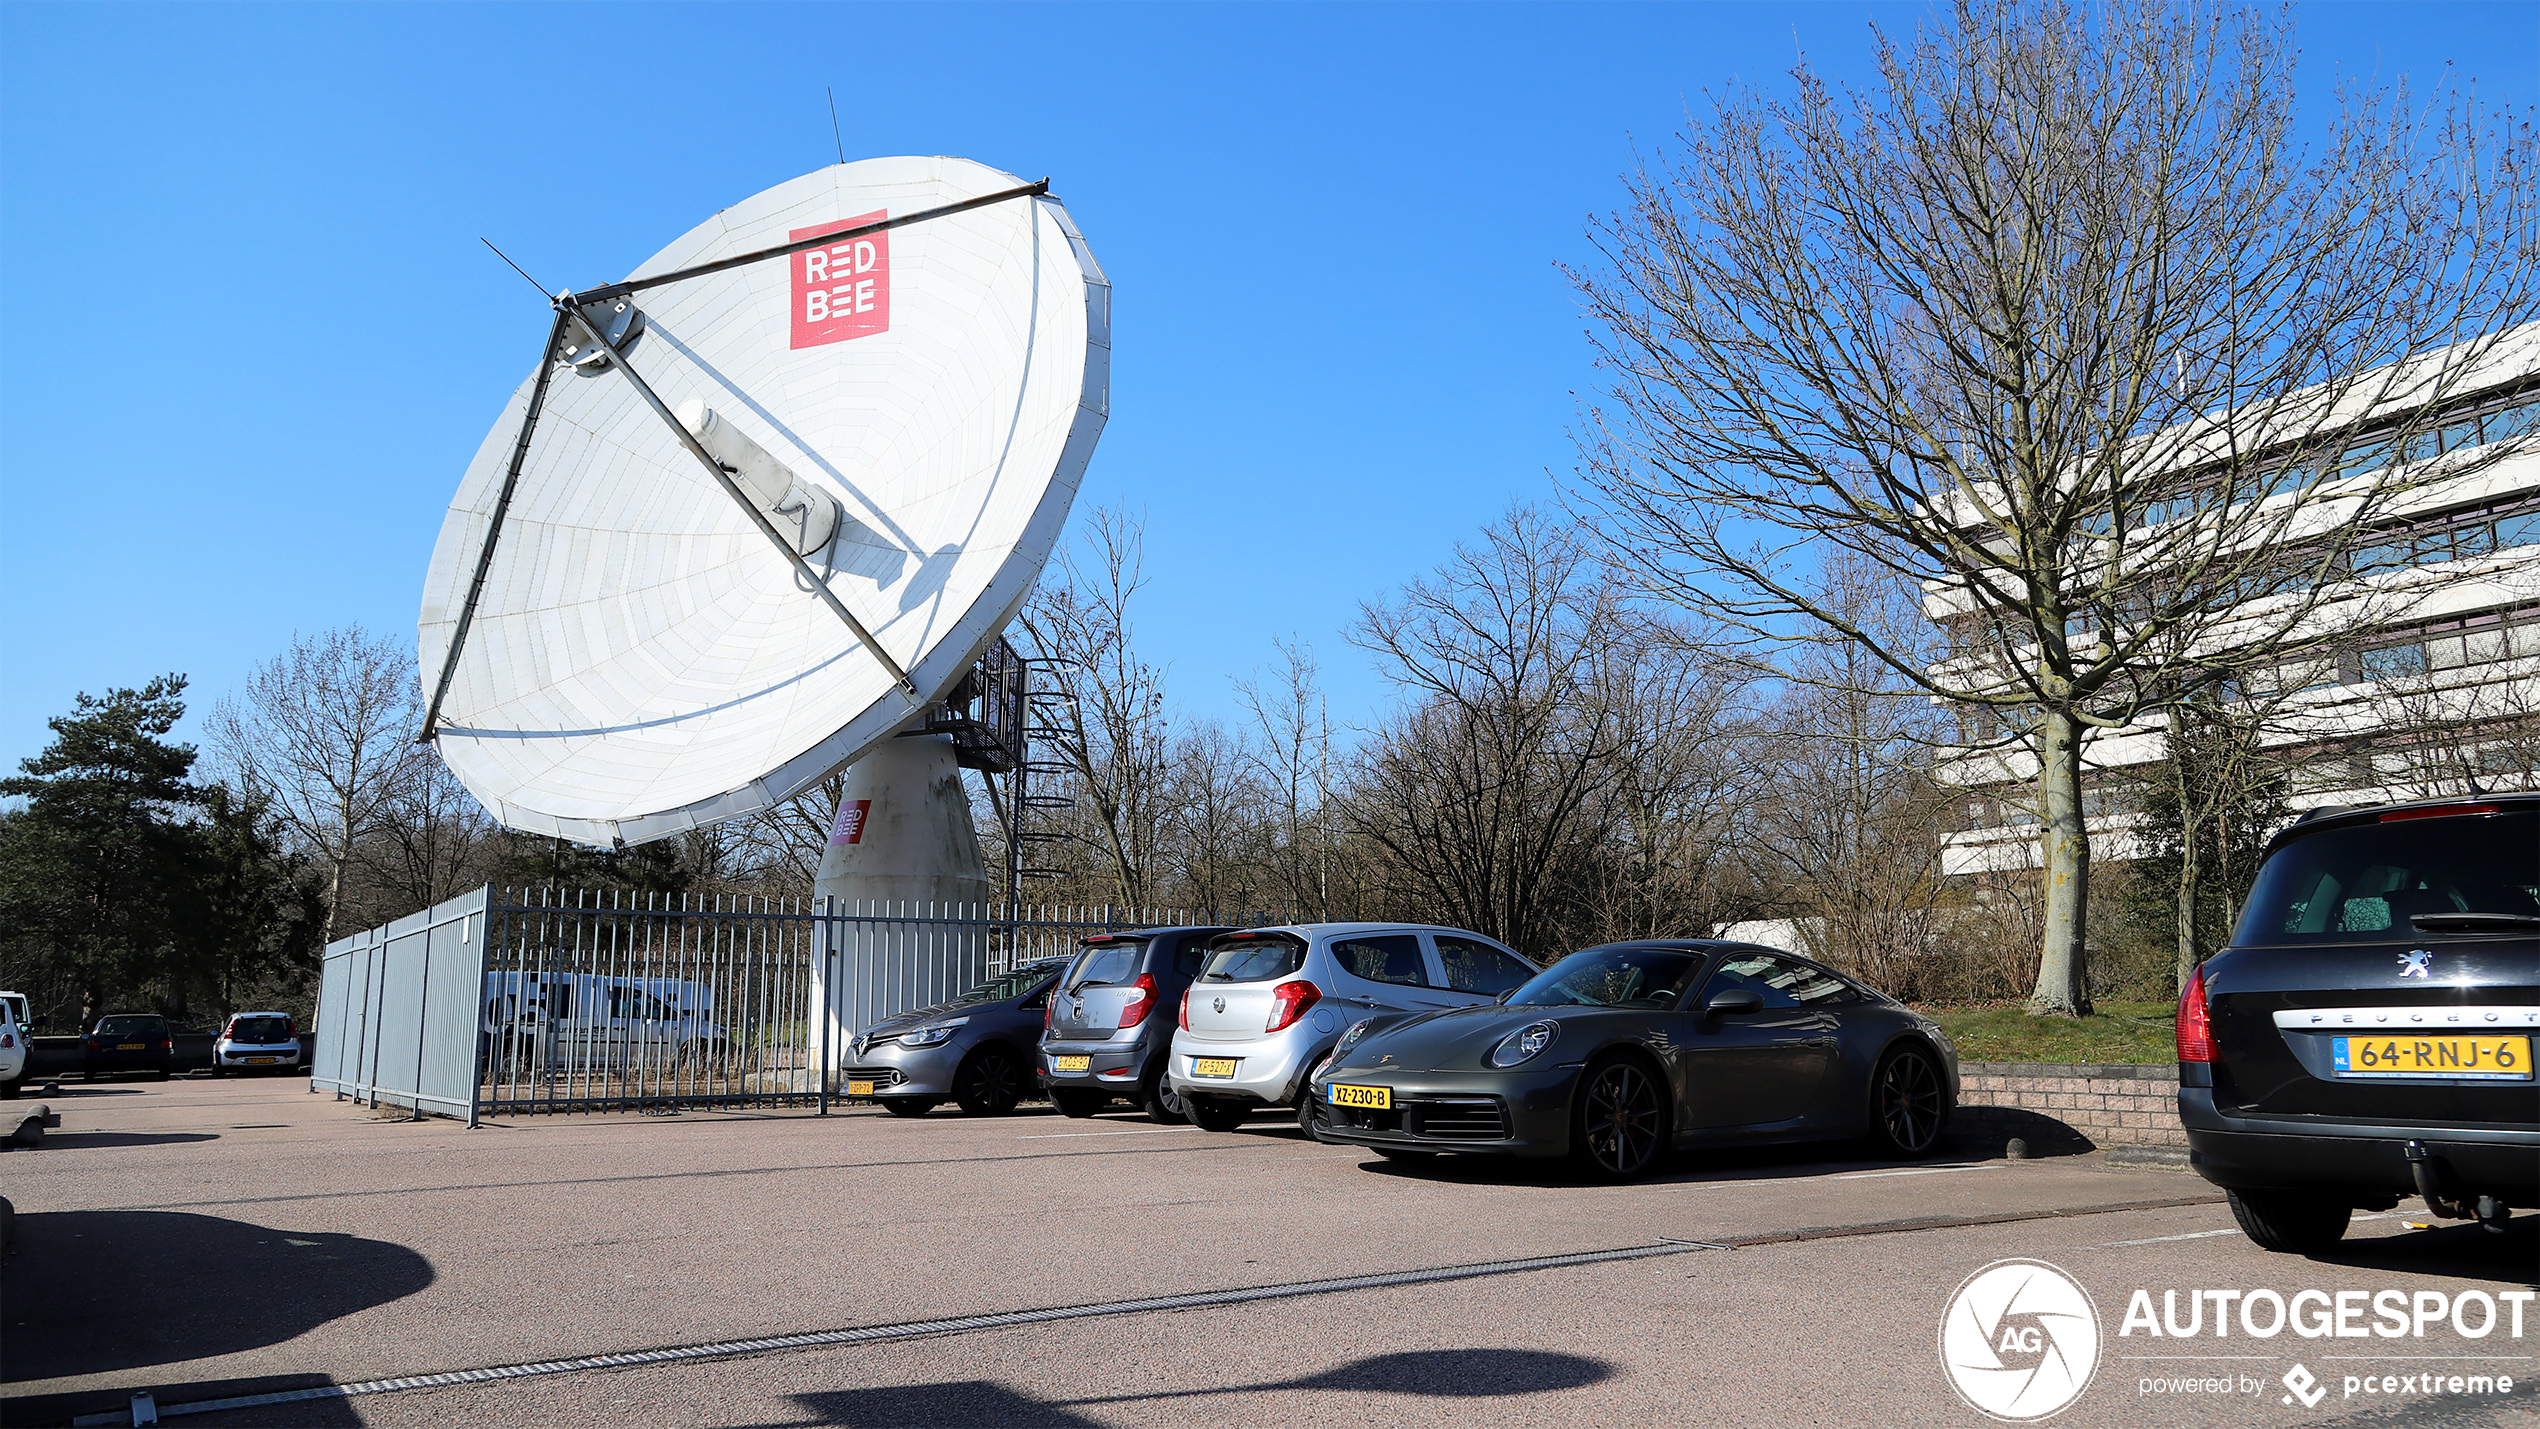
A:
828,990
493,531
637,285
571,305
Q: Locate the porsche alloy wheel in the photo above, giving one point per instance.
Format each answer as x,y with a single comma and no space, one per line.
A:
1909,1102
1620,1125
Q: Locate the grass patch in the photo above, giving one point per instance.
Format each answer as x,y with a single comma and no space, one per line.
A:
2141,1032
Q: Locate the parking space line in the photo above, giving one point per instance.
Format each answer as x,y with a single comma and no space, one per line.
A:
1072,1135
1792,1180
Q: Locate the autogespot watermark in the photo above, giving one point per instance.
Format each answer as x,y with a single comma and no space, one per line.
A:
2021,1340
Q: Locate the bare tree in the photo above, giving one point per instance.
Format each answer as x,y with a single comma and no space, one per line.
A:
2060,320
1220,817
1674,819
1293,759
1479,791
428,842
1108,720
324,732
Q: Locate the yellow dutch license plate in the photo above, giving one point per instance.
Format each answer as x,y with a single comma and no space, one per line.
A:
262,1061
131,1046
2488,1059
1212,1066
859,1089
1372,1098
1070,1064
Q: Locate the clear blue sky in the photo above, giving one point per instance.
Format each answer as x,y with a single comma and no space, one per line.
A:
248,338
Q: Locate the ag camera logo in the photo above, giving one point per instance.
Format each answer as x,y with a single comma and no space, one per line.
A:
2020,1340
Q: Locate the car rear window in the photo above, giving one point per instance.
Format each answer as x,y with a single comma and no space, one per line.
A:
1254,959
1106,965
260,1029
132,1027
2364,884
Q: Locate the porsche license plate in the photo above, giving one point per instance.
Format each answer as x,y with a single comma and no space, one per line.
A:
1212,1066
1372,1098
859,1089
1070,1064
2486,1059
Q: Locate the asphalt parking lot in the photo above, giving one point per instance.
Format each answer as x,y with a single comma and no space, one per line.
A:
203,1240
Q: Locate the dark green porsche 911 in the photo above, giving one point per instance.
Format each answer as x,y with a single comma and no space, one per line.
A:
1618,1054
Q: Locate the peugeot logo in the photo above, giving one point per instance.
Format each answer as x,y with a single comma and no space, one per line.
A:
2415,964
1218,1005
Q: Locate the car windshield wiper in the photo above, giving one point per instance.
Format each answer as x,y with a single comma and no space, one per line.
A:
1093,982
2474,922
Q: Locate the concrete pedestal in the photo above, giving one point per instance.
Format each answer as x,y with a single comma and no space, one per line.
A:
903,866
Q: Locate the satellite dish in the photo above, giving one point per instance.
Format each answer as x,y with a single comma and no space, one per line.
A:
765,501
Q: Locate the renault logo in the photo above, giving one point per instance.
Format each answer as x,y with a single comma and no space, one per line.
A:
1218,1005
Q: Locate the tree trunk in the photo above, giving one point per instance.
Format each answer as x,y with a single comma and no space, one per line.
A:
2063,984
2190,866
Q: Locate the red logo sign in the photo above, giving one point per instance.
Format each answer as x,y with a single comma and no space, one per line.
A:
843,290
850,825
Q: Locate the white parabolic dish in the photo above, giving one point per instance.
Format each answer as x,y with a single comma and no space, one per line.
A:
643,659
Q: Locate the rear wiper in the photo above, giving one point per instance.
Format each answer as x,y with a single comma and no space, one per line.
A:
1093,982
2474,922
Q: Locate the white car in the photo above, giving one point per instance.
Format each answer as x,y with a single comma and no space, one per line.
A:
1270,1003
256,1042
14,1052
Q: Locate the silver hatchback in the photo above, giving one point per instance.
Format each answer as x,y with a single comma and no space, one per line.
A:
1270,1002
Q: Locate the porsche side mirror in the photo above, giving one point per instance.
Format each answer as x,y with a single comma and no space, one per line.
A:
1733,1000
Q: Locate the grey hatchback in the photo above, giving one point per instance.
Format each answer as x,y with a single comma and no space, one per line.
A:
1109,1032
975,1050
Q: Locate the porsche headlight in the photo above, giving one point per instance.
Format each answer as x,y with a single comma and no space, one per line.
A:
932,1036
1524,1043
1349,1039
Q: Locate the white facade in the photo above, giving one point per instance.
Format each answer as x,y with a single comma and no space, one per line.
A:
2436,691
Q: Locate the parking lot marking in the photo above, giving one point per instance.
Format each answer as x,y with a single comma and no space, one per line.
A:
1786,1180
1072,1135
2165,1239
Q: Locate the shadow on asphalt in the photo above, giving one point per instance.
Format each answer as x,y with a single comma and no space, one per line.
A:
90,1292
1437,1374
1684,1168
2461,1248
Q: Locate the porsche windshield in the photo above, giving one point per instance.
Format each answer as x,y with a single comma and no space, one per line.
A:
1625,976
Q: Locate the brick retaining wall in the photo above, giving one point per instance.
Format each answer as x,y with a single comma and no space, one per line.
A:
2058,1105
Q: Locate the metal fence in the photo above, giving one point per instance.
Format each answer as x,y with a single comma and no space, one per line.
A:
555,999
396,1022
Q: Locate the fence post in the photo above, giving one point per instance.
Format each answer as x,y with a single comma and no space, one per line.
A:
423,1015
828,991
477,1065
